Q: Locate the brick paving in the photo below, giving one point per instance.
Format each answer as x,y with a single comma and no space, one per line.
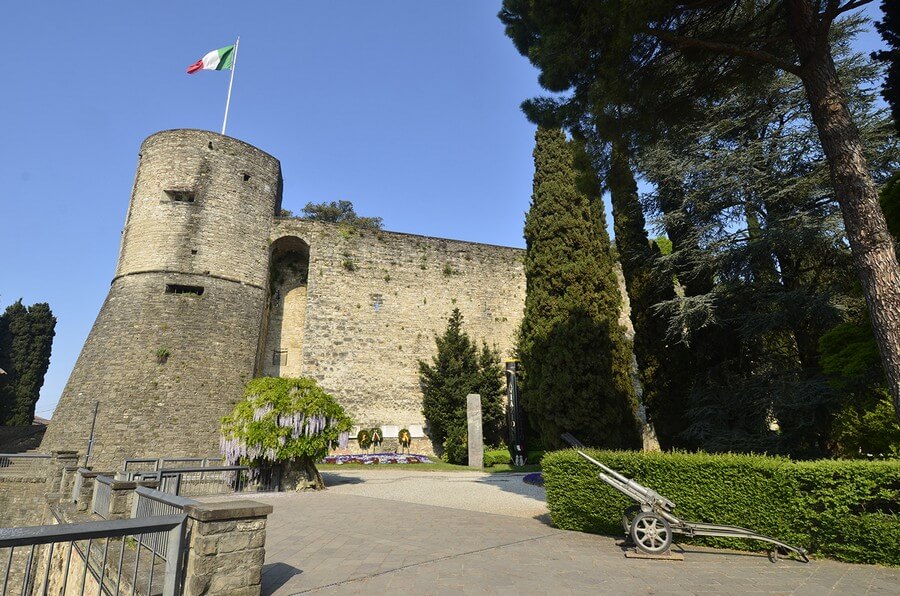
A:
362,537
335,542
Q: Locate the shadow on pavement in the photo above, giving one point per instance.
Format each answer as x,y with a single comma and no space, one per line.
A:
339,478
275,575
545,519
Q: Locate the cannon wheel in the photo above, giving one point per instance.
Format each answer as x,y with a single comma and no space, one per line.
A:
627,516
651,533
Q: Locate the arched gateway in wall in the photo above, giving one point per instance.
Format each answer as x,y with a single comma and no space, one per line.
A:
213,287
282,354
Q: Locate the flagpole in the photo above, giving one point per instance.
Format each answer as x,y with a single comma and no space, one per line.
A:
231,82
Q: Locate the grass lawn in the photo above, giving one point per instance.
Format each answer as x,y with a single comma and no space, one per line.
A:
434,466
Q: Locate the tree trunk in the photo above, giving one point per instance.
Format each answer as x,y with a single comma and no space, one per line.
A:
870,241
313,476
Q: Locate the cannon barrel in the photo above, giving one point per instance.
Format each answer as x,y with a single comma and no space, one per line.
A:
626,485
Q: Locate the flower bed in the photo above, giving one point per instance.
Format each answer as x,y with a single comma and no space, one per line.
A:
535,478
377,458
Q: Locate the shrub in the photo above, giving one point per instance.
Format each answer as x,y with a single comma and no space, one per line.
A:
282,421
848,510
493,457
456,445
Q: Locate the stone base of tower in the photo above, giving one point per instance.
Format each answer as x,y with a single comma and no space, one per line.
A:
162,379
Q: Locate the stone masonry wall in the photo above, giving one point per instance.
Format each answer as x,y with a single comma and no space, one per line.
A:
21,501
376,299
200,216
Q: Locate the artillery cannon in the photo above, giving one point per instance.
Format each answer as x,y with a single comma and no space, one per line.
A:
651,523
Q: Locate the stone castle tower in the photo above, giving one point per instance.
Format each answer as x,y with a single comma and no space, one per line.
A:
214,287
178,334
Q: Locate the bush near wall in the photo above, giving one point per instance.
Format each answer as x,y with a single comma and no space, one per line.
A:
846,510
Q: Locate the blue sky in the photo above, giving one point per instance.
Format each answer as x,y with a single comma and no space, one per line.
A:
409,109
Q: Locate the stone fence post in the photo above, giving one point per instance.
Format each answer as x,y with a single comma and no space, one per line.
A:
68,481
59,462
226,549
86,493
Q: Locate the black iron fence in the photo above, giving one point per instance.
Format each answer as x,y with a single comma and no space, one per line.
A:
194,482
102,557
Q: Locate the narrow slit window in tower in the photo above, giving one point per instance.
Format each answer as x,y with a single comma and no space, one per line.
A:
181,196
183,289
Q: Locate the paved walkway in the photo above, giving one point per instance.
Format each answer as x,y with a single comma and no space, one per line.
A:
358,538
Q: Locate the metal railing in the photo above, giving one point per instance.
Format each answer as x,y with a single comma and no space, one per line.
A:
60,559
192,482
23,465
151,503
141,465
102,496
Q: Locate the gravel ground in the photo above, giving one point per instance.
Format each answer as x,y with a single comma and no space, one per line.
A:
503,494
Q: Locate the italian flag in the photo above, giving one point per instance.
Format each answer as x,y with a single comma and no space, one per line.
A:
221,59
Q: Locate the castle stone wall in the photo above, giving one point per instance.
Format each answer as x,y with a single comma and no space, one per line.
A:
166,360
236,191
376,299
164,365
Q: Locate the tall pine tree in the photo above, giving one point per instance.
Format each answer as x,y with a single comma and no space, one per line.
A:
26,337
662,364
575,357
603,52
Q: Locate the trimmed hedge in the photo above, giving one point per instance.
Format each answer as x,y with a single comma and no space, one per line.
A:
847,510
493,457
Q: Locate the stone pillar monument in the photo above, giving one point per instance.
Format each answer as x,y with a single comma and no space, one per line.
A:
476,431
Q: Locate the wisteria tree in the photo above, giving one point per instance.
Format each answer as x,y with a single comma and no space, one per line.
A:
284,423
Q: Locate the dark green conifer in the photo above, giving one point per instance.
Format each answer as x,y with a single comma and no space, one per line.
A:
663,364
26,337
456,370
574,353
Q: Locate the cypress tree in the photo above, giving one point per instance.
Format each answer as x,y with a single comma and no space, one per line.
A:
574,353
26,337
662,364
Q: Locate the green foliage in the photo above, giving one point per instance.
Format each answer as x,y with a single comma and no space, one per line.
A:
849,354
283,419
26,339
889,27
758,246
162,355
404,437
340,212
664,245
661,363
890,201
866,423
364,438
574,354
867,428
456,445
458,369
846,510
760,254
494,457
